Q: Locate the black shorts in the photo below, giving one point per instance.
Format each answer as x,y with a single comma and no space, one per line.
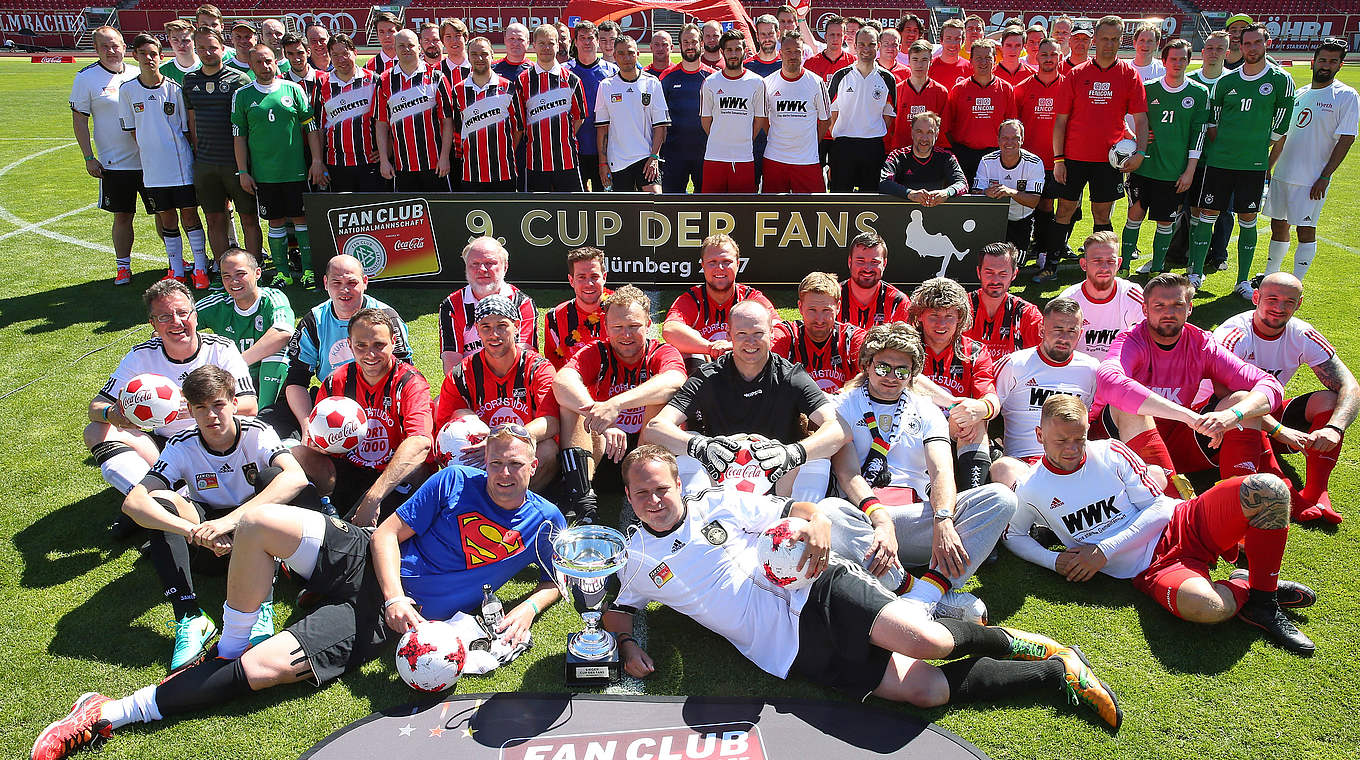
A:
833,630
1235,190
503,186
1157,196
559,181
118,190
215,184
969,158
630,179
1107,182
856,164
425,181
280,200
353,481
1052,187
364,178
347,630
162,199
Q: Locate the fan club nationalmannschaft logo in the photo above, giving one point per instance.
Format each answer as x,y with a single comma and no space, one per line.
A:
392,239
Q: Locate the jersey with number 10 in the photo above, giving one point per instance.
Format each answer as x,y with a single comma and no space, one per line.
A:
273,119
1176,121
1249,112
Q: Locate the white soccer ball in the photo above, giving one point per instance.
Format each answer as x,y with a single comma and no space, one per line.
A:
151,401
430,656
778,554
1120,152
745,474
456,435
336,425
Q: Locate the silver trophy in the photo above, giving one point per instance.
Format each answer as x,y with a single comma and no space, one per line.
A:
586,560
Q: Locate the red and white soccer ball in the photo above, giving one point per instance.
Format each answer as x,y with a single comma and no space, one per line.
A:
456,435
336,425
745,473
151,401
779,553
430,656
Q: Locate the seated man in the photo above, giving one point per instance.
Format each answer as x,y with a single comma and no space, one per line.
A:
1002,322
923,172
866,299
124,452
486,262
572,324
607,391
697,322
260,320
845,630
827,348
370,481
1109,303
503,382
227,465
416,560
321,342
1107,508
1272,338
1012,172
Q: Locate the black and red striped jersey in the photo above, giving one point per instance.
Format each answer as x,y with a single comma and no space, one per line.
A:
831,363
344,112
566,328
484,120
457,331
1014,326
964,370
399,405
694,308
413,107
380,63
549,104
888,305
519,396
605,375
454,71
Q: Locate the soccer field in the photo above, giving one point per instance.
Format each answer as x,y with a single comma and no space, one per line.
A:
80,612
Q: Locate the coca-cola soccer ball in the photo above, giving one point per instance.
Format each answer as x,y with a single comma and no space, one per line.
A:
336,425
151,401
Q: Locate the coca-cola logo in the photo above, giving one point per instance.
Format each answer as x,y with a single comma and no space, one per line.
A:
143,396
346,431
409,245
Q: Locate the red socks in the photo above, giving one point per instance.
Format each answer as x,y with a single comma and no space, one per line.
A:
1237,587
1265,554
1149,446
1318,465
1246,452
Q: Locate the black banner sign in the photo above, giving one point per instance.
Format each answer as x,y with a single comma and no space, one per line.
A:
650,239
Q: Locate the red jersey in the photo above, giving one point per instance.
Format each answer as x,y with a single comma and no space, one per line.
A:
900,73
521,395
888,305
1099,100
548,103
344,113
975,112
380,63
457,331
1021,73
398,407
933,97
566,329
483,121
414,108
694,308
1039,104
824,67
1014,326
1066,66
949,74
964,371
605,375
831,363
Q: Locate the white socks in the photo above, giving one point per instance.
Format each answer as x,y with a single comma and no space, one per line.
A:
236,627
198,243
174,251
1277,251
124,470
1303,257
139,706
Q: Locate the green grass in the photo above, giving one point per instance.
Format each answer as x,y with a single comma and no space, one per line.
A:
81,612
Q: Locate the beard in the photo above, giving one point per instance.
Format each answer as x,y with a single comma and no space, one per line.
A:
710,48
1167,331
691,56
1323,77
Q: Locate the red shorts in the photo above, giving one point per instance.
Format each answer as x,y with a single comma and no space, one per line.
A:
792,178
729,177
1189,451
1201,531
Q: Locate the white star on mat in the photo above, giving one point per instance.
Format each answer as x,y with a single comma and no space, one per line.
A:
406,729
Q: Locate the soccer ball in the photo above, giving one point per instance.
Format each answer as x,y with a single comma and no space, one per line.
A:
336,425
778,553
430,656
151,401
456,435
1120,152
745,473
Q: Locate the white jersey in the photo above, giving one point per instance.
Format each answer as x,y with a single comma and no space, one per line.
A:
734,105
1321,116
95,94
150,357
860,102
631,109
1102,320
219,480
1024,381
1300,344
706,569
795,107
906,424
1111,501
1153,70
158,120
1027,176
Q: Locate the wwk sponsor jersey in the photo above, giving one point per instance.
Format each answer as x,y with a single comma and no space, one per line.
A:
157,119
832,362
484,117
794,107
150,356
547,103
94,93
414,107
1025,380
457,331
1299,345
631,108
1104,318
734,105
219,480
887,305
521,395
398,407
344,110
1099,100
907,424
605,375
1014,325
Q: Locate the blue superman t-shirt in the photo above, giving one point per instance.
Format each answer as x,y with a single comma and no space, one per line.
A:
463,540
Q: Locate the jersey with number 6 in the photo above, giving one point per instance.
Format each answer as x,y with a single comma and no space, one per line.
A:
274,119
1249,112
1176,125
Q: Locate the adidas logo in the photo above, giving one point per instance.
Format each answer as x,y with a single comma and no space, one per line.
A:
1057,503
226,467
1156,102
776,93
677,545
1030,382
1308,219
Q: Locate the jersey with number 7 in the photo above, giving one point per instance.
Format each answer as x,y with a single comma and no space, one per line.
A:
1250,113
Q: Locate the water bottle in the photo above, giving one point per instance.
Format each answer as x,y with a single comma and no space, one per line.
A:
327,508
492,611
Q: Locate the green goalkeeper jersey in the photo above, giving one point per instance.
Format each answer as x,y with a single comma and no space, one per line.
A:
1176,123
218,313
1249,112
274,120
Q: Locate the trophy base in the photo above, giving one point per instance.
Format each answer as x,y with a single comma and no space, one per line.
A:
582,672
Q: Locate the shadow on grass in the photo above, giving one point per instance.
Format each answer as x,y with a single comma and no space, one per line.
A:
70,541
104,627
109,309
1184,647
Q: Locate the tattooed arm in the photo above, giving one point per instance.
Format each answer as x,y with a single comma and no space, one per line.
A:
1337,378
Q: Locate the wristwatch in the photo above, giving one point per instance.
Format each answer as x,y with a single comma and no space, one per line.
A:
944,513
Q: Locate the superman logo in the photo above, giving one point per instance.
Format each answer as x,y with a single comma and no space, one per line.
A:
485,541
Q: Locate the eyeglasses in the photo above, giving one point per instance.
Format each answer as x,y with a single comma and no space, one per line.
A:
166,319
514,430
901,373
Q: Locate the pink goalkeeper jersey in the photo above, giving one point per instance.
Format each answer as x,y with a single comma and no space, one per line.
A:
1136,368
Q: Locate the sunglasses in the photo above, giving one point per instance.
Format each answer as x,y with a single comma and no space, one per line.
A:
901,373
514,430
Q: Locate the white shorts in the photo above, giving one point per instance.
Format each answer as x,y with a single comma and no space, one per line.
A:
1291,203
